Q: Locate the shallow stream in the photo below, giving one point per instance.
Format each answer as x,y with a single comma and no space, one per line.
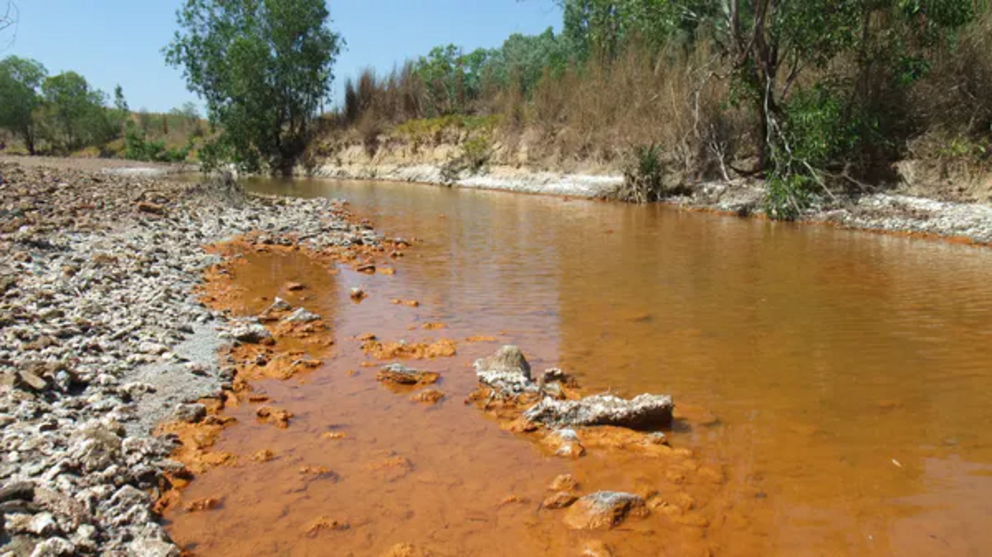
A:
839,380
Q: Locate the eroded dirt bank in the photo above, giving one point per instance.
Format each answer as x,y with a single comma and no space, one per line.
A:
926,202
102,338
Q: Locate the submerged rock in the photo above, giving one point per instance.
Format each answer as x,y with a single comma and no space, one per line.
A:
559,500
428,396
642,410
399,374
604,510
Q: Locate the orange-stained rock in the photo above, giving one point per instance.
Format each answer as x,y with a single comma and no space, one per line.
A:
596,548
441,348
564,482
406,550
392,468
409,303
263,455
480,339
274,416
604,510
559,500
318,473
520,425
206,504
323,524
512,499
428,396
434,326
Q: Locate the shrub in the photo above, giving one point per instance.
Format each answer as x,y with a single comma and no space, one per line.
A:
647,178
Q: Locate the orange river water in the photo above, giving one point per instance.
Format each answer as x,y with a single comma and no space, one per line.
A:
838,381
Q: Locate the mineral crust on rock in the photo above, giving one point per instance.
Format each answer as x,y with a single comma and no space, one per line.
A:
604,510
641,411
400,374
507,372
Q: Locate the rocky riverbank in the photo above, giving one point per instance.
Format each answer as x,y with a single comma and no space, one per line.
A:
101,338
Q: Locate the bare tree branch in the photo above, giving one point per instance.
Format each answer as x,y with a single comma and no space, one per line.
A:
8,20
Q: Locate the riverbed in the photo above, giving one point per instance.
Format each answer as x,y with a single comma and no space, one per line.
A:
835,380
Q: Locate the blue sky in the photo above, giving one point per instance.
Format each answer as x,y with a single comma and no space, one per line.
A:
120,41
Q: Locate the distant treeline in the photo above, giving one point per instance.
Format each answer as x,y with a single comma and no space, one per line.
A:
810,94
63,114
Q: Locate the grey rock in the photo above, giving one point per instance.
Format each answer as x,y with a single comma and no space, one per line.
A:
19,491
42,524
403,375
152,547
190,413
251,333
95,446
641,411
506,371
30,380
301,316
53,547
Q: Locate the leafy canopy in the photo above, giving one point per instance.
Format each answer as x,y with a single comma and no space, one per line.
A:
263,67
74,112
20,84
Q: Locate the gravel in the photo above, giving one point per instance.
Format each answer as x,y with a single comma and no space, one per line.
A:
101,339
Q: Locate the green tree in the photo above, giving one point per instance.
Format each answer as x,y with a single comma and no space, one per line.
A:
604,27
527,57
74,112
20,83
263,67
450,77
772,43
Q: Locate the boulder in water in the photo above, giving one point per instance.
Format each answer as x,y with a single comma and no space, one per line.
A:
506,371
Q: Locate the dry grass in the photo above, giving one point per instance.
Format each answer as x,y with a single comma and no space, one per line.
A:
674,101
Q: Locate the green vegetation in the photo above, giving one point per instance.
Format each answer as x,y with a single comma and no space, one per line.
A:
20,86
263,68
815,96
63,114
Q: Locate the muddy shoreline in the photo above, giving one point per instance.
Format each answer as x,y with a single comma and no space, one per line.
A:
891,213
103,338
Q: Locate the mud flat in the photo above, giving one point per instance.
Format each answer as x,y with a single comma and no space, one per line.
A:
101,338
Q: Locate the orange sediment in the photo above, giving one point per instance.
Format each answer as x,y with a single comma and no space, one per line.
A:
397,480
